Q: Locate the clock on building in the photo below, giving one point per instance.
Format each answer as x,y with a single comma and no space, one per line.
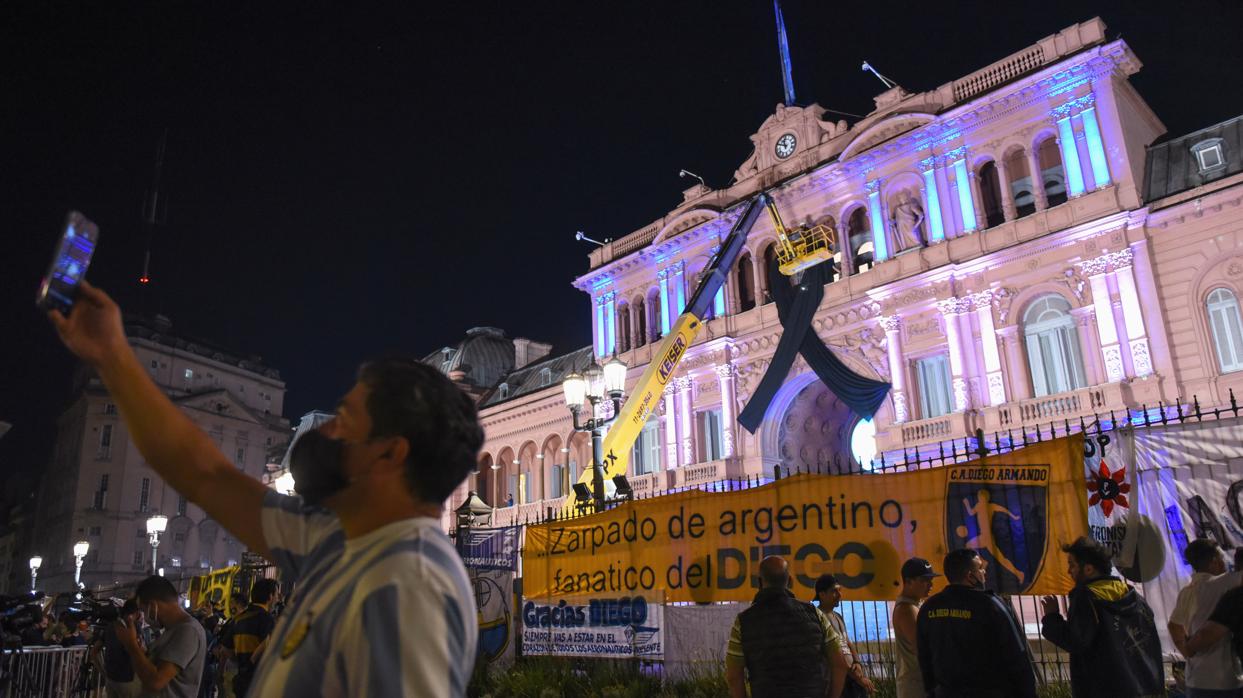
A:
785,146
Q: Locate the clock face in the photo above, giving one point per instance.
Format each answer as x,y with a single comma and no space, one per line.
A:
785,146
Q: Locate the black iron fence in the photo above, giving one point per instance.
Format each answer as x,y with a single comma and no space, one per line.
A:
869,622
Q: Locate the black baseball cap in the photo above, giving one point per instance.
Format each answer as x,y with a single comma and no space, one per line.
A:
917,567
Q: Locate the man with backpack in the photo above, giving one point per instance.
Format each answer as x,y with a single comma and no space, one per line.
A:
1108,630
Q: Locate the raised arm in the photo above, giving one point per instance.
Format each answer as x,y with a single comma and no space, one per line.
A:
174,445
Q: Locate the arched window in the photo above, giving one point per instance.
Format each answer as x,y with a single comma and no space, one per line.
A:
1053,354
1223,320
653,302
640,325
556,481
861,249
746,283
1020,183
770,258
1052,174
990,192
623,328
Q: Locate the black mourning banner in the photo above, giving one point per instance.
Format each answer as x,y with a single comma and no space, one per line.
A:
796,305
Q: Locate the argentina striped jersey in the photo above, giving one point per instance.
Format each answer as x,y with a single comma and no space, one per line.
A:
390,613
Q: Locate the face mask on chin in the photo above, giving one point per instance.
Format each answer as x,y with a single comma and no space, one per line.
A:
317,465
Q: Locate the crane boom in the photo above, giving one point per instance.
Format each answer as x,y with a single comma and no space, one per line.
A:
634,413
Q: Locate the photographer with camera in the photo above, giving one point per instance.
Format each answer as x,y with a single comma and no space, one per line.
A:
173,666
119,679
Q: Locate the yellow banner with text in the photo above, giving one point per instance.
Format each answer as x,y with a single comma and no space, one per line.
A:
1016,509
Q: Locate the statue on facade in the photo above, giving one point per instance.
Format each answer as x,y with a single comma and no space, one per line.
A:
908,223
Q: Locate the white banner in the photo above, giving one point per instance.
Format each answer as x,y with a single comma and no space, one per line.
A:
1158,488
628,626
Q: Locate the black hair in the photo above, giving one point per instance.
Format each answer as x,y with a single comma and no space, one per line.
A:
155,588
130,606
261,591
1087,551
439,422
958,564
1200,553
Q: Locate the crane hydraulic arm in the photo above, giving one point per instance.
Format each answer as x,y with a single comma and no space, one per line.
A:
633,415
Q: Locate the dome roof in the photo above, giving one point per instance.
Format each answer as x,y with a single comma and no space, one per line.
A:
485,355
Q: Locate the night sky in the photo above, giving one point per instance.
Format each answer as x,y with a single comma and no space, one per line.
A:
347,179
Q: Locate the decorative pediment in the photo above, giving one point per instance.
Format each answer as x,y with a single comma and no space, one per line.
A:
684,222
219,402
886,129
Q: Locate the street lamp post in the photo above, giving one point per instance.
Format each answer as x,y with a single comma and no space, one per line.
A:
79,555
155,526
595,385
35,563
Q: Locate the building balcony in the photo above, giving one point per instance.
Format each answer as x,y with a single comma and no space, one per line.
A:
699,474
954,425
1072,406
531,512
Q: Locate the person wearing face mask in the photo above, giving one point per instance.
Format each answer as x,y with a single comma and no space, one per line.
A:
969,645
1108,630
173,666
362,542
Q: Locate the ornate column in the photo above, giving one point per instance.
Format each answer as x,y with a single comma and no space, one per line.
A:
678,292
600,331
983,303
662,278
671,425
932,200
892,325
1096,145
1007,193
941,175
1107,329
953,309
725,374
1121,268
610,322
1016,369
1070,156
1033,163
843,241
980,217
962,185
880,237
686,418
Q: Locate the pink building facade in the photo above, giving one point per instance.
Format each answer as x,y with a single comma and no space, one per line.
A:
1005,259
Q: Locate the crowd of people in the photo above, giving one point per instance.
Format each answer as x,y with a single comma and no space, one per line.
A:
967,642
157,648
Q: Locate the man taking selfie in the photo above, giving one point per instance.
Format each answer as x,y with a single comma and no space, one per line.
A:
362,542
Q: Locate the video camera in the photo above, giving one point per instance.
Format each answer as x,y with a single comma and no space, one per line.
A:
98,612
20,612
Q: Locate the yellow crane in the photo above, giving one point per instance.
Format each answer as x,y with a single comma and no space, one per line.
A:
797,250
801,248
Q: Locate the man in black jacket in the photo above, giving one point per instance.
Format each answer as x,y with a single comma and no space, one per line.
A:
786,646
1108,630
969,645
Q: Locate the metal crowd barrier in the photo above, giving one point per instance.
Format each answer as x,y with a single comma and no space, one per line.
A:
49,672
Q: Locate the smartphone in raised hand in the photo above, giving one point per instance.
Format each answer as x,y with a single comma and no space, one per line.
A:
73,254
